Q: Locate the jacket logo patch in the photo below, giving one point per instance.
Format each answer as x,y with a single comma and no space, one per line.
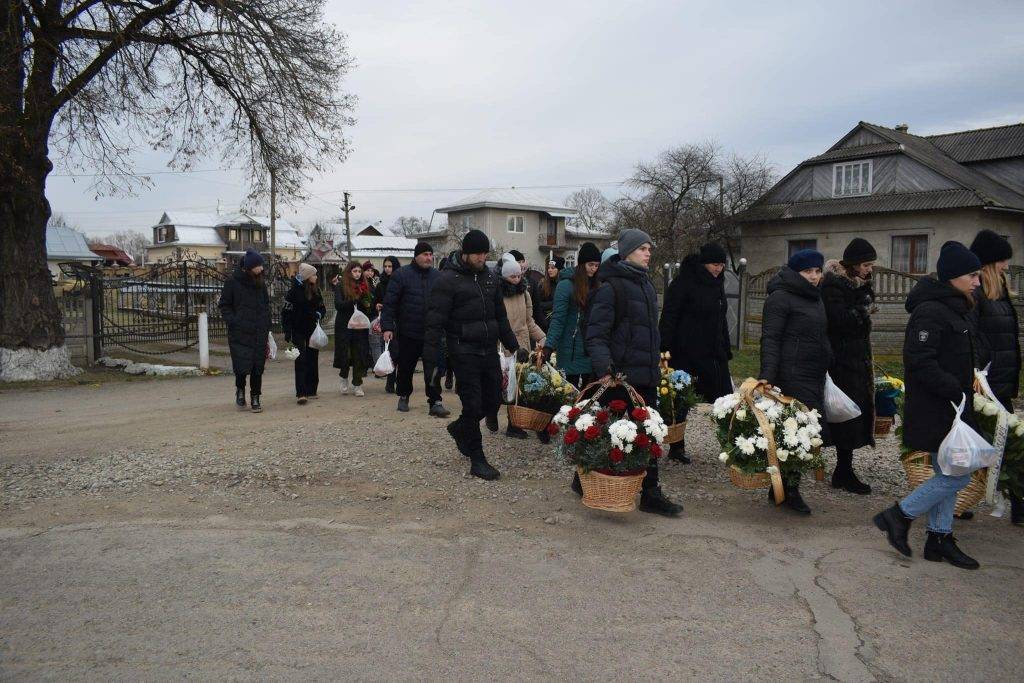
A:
922,336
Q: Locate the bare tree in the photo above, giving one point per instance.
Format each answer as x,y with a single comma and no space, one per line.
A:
132,242
593,211
253,81
410,226
688,196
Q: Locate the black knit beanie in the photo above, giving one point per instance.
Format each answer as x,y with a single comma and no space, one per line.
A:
990,247
858,251
475,242
955,260
422,248
517,255
712,253
589,253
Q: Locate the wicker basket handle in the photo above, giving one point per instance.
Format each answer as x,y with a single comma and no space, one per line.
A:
747,390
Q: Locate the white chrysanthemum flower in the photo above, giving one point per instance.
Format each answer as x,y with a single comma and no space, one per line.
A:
782,454
774,412
762,443
790,425
585,420
789,438
991,408
1019,430
979,401
741,414
724,457
816,441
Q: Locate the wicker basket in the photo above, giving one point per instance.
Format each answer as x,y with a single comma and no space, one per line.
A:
742,480
527,418
918,466
883,425
612,494
676,432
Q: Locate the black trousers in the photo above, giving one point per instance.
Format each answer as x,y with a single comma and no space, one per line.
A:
410,352
479,387
255,382
307,371
649,395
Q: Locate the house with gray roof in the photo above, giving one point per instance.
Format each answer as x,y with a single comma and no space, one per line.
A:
222,239
906,194
67,245
515,219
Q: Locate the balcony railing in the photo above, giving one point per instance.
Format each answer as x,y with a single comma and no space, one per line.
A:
552,241
240,245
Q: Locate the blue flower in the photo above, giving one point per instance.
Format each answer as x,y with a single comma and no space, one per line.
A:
680,377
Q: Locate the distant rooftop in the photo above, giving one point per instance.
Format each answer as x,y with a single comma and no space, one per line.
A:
510,198
67,244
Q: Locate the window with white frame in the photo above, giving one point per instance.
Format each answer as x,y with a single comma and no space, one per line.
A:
851,180
160,235
515,223
910,253
233,234
467,220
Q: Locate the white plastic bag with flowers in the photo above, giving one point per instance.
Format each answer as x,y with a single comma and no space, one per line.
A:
964,450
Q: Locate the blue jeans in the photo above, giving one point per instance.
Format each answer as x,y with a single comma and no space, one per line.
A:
937,497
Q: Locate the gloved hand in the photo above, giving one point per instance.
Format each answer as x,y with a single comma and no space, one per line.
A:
522,355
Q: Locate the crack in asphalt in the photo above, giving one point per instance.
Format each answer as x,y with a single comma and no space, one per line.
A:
465,579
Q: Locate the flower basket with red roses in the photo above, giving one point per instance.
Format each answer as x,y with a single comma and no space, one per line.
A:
611,446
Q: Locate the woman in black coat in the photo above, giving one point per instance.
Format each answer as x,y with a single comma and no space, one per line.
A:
543,293
939,357
352,347
303,309
849,302
795,351
996,319
390,267
245,307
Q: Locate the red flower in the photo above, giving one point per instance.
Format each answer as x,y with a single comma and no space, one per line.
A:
617,406
593,431
552,429
574,413
571,436
656,451
643,441
602,416
616,455
640,414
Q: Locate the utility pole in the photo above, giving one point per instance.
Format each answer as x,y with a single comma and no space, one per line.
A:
273,217
348,229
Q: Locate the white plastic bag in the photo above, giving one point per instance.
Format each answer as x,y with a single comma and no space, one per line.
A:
271,346
508,376
291,353
838,406
318,340
375,326
358,321
384,366
964,450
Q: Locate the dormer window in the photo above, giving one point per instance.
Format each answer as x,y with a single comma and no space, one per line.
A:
852,180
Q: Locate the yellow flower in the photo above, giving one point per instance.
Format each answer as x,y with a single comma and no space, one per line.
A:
664,391
556,379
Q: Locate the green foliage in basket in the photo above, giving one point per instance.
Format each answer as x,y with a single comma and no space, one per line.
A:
1011,474
544,388
676,394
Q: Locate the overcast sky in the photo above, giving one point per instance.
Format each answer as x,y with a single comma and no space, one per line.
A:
466,95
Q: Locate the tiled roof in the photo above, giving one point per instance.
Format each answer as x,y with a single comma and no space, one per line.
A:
1000,142
879,203
857,152
509,198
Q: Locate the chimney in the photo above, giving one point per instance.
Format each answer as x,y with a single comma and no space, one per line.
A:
903,128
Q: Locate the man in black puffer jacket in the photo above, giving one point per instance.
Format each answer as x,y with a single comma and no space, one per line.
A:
466,309
623,337
245,307
404,312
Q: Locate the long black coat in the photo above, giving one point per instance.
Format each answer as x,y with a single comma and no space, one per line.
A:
847,305
795,351
346,339
939,356
633,346
543,305
405,302
466,308
695,329
996,323
245,307
300,315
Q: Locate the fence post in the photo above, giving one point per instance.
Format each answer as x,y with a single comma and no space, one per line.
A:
90,330
204,342
741,307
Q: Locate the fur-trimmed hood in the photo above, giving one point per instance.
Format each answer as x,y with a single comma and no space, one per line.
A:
835,268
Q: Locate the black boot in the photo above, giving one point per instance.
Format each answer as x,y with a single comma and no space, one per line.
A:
492,423
515,432
653,500
1016,511
577,487
403,404
941,547
240,397
849,482
965,516
544,436
256,407
677,453
794,501
453,430
449,379
482,469
896,525
389,386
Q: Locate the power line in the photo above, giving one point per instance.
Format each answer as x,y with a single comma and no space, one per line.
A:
146,173
477,189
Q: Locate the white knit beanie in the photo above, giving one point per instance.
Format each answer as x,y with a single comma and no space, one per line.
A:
509,267
306,271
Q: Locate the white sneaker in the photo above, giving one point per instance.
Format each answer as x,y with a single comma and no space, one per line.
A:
359,391
344,385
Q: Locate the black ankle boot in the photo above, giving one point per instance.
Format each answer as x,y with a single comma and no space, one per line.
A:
453,430
544,436
1016,511
847,480
941,547
256,407
492,423
677,453
515,433
389,386
653,500
240,397
794,501
482,469
577,487
896,525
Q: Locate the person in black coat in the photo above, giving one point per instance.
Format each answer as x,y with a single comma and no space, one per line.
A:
352,292
465,309
695,328
622,337
939,357
390,267
303,309
995,317
542,294
849,303
245,307
405,308
795,351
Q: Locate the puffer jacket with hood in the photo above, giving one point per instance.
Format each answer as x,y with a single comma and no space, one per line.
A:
519,309
564,335
996,323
